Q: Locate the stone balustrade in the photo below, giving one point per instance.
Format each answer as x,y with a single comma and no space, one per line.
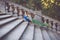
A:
54,21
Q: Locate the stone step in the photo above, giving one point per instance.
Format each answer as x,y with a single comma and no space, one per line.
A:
9,27
45,35
52,36
3,22
17,32
56,35
2,13
4,16
28,34
38,34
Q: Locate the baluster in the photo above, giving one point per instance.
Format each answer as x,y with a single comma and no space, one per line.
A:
56,25
58,28
7,6
42,18
13,9
47,21
10,8
18,11
51,24
32,15
23,12
26,13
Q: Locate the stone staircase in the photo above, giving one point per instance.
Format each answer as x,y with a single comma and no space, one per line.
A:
12,28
